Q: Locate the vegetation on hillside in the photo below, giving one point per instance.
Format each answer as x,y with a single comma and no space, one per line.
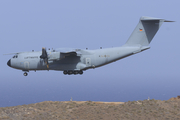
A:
74,110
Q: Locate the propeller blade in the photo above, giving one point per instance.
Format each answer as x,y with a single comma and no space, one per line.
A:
44,53
46,61
45,57
47,66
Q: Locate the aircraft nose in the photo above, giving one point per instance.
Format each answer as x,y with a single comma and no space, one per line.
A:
9,63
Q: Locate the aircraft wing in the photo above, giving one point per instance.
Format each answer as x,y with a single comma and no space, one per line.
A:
62,53
71,53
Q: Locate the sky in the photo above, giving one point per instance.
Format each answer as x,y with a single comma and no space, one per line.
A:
31,25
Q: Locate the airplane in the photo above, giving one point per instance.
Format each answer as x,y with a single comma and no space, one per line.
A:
75,61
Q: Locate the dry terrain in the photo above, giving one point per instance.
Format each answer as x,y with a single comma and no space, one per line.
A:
88,110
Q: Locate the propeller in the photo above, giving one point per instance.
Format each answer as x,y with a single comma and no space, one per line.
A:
44,56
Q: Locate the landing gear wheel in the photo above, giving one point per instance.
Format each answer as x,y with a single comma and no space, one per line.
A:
25,74
75,72
80,72
65,72
70,72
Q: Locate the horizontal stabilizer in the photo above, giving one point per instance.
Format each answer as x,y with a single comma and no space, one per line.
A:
168,21
151,18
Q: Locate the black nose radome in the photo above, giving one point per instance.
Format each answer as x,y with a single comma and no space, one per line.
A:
9,63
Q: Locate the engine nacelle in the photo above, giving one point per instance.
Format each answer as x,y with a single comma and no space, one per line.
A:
54,56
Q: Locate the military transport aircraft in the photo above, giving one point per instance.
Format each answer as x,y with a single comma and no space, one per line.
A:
75,61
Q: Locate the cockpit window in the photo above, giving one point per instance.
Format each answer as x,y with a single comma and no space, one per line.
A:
16,56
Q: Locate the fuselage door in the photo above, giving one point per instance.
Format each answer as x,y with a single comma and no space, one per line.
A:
88,61
26,65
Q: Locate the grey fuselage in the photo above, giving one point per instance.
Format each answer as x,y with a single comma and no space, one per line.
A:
85,59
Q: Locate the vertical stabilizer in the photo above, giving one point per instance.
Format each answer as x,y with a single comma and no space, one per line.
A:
145,31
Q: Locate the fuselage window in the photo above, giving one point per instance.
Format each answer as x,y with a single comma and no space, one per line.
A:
15,56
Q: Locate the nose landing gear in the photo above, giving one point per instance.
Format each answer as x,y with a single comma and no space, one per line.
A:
25,74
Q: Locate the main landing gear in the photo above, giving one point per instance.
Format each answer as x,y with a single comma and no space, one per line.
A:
75,72
25,74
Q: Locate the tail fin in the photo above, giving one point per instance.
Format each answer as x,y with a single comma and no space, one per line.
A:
145,31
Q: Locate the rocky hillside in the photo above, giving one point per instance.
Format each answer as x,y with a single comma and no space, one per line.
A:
88,110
